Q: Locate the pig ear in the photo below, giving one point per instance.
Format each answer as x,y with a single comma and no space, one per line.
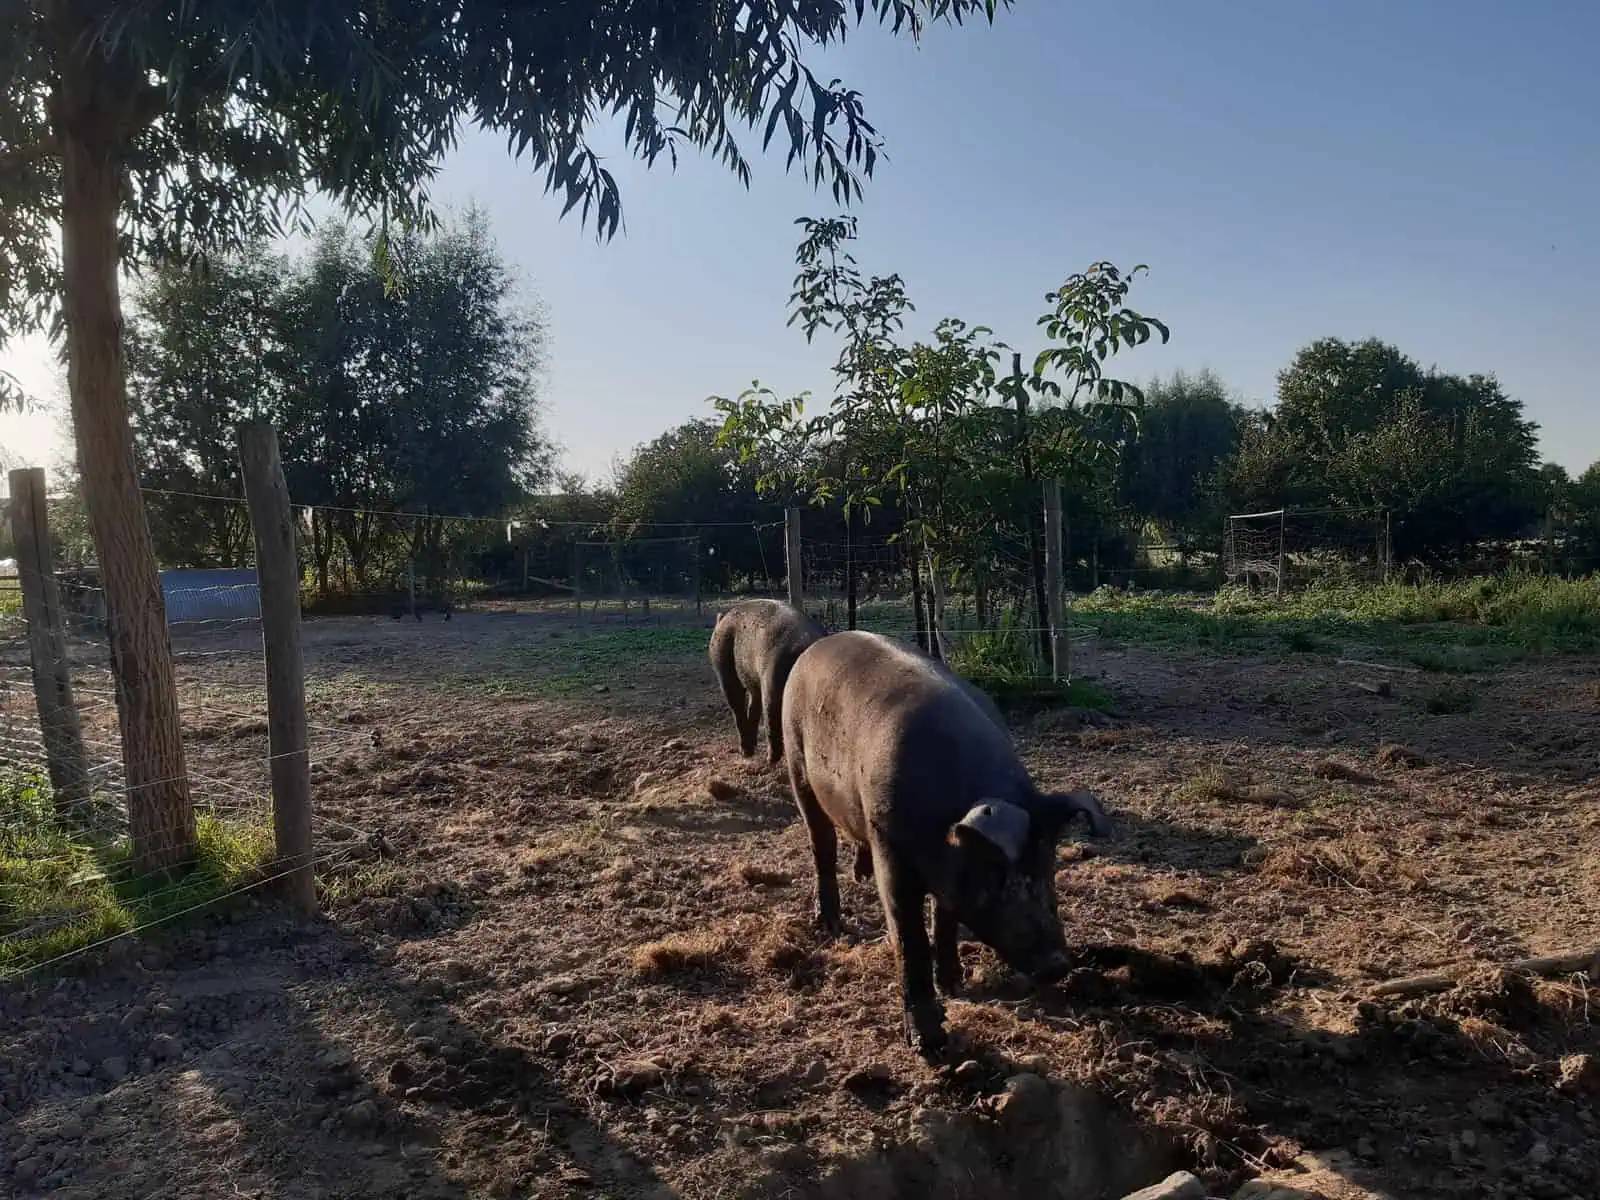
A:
1004,826
1054,812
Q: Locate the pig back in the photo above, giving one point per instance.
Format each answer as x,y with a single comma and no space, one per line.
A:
764,634
890,739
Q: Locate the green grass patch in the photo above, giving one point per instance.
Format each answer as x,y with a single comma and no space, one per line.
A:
564,664
62,889
1440,627
1028,695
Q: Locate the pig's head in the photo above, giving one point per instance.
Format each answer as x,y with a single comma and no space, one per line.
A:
1001,877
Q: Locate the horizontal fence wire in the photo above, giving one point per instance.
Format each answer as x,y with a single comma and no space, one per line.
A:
64,858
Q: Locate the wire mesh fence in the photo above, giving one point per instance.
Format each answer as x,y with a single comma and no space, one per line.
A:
83,854
75,858
1288,549
985,619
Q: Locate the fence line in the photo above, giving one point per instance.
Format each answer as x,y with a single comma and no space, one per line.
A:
66,853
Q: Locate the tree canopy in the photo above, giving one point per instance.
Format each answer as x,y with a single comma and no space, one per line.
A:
1361,427
226,115
421,400
155,130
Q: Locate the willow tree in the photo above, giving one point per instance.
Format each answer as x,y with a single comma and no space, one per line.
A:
147,129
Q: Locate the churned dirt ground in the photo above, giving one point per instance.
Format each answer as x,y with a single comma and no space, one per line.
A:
567,949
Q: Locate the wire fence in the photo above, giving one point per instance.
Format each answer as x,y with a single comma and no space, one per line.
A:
70,879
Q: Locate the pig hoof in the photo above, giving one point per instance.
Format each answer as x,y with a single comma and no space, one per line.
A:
925,1033
950,984
831,924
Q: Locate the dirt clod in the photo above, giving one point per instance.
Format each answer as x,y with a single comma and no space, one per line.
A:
629,1080
1392,754
1580,1076
721,790
1182,1185
867,1077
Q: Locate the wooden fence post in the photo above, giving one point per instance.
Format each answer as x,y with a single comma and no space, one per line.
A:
47,644
850,594
791,556
1053,579
278,575
1283,561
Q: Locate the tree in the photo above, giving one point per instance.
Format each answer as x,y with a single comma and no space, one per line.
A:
419,400
1361,427
933,425
1188,427
1581,503
167,129
204,349
687,478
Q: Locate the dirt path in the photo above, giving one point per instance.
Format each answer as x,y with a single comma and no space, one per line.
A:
566,953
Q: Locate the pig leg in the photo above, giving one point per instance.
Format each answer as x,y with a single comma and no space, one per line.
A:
863,865
824,851
772,684
946,950
745,709
903,899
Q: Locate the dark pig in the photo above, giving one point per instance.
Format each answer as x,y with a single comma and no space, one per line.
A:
888,748
862,868
753,649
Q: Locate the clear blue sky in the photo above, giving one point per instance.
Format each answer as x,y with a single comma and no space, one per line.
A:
1425,172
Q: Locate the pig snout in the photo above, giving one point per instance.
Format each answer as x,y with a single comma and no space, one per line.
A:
1052,968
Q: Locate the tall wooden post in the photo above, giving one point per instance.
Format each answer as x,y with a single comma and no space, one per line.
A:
1053,579
47,644
697,581
1283,523
849,568
278,575
793,570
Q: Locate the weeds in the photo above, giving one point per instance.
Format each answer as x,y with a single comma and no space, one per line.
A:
1209,784
1440,627
1355,862
696,951
62,888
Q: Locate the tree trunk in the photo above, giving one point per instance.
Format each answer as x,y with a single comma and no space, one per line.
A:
321,551
936,638
160,815
1030,493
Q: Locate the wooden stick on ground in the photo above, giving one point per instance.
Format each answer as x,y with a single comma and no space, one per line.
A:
1373,666
1549,964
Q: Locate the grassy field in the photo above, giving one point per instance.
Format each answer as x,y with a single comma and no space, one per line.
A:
1446,627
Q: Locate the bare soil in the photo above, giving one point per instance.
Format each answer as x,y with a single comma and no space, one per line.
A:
567,949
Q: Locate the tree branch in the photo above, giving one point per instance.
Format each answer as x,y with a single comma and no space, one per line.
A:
18,161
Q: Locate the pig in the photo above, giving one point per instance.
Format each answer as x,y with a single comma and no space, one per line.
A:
887,747
862,868
753,648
